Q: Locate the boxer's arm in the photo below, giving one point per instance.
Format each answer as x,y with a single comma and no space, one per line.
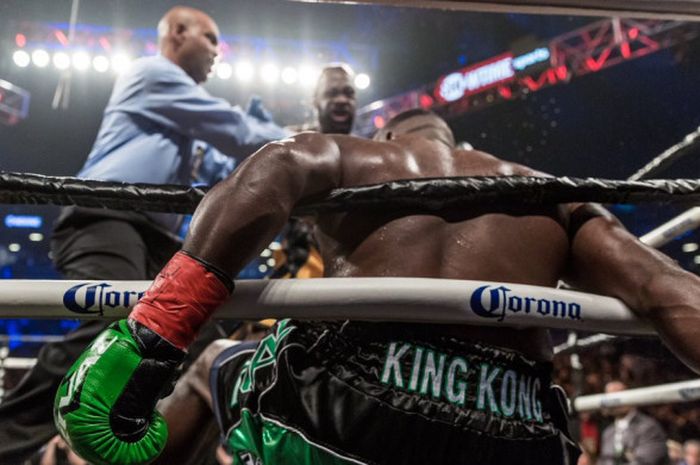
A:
606,259
105,404
242,214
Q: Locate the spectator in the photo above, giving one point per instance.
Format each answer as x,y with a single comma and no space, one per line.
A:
691,452
634,438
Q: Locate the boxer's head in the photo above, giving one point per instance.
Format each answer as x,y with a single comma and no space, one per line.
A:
334,99
417,122
189,38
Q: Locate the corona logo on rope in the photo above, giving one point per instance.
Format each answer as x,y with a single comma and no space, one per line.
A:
87,298
496,301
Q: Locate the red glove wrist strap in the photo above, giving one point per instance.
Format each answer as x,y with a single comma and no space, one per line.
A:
182,297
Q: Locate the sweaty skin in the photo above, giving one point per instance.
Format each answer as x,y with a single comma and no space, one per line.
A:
241,215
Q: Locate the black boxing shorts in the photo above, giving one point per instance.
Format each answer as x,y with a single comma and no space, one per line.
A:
378,393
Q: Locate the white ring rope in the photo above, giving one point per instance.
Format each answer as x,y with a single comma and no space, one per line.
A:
684,391
673,228
423,300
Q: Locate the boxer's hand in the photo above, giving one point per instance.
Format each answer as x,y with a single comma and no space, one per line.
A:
105,405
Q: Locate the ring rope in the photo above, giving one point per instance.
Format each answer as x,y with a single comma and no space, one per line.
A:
662,235
688,146
684,391
425,194
419,300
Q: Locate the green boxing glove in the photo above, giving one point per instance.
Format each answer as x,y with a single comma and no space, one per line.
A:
105,406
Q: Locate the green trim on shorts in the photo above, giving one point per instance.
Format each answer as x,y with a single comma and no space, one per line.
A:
260,441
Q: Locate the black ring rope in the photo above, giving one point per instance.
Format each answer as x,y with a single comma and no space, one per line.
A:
423,194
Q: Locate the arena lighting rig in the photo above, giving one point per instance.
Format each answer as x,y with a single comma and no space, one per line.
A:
101,49
589,49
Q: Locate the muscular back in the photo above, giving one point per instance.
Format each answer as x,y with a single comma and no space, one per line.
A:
489,242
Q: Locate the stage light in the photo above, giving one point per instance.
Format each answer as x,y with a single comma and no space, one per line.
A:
21,58
61,60
269,73
100,63
24,221
40,58
308,75
289,75
20,40
224,70
690,247
362,81
14,247
244,71
36,237
120,62
81,61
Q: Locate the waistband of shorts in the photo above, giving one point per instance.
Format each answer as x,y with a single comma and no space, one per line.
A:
414,333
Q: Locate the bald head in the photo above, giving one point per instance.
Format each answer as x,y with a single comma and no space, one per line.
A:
189,38
418,122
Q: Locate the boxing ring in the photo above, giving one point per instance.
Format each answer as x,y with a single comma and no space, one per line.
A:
400,299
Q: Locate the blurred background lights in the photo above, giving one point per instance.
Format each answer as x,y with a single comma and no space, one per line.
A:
40,58
224,70
61,60
81,61
269,73
244,71
120,62
690,247
100,63
21,58
307,75
362,81
289,75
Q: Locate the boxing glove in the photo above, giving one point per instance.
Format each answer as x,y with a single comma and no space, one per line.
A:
105,405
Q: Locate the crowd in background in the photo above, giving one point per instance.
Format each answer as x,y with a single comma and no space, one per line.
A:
634,363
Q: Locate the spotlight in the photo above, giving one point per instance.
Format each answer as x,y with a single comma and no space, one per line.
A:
289,75
120,62
14,247
308,75
36,237
362,81
269,73
81,61
40,58
100,63
21,58
690,247
244,71
61,60
224,70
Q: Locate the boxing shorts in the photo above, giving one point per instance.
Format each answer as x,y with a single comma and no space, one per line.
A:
379,393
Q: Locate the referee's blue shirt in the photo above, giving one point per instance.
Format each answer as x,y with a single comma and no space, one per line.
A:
156,117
